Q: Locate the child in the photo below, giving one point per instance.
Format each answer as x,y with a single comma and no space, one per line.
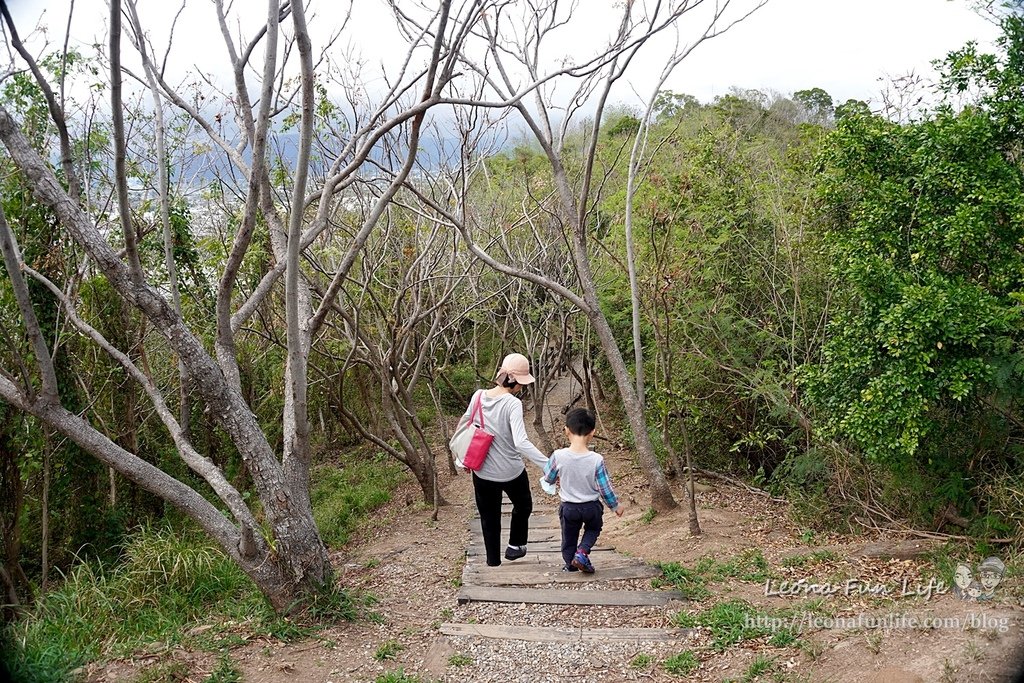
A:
584,482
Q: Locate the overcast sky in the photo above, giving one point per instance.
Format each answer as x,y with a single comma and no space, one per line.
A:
842,46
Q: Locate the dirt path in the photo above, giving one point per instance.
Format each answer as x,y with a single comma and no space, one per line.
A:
417,568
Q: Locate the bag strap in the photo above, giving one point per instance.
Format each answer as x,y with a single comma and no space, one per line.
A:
478,408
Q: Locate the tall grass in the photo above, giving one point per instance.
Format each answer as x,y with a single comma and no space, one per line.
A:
342,497
166,584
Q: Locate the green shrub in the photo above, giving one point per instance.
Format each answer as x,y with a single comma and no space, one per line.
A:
682,664
641,661
729,622
398,677
389,649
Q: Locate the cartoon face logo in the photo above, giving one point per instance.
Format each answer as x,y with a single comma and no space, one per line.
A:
963,577
990,573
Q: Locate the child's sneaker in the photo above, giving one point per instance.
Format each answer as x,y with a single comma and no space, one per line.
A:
570,568
581,560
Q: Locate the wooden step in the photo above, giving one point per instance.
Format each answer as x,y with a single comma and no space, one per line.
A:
536,521
549,562
539,502
546,549
531,575
555,634
566,596
536,535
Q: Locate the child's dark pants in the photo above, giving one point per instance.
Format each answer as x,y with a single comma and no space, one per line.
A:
574,516
488,504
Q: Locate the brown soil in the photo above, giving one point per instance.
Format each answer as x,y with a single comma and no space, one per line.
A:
413,565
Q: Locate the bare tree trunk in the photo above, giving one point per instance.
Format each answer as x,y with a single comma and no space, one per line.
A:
296,418
417,463
298,562
694,522
12,601
437,490
661,494
575,213
584,378
595,382
120,146
678,465
666,355
163,190
112,486
445,434
539,397
426,477
45,512
11,511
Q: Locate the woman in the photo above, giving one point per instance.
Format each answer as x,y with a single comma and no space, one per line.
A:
503,469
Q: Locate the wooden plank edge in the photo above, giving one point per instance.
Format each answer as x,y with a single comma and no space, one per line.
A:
524,576
565,634
479,550
637,634
564,596
536,634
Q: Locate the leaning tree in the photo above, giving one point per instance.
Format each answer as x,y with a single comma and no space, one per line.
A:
346,128
280,548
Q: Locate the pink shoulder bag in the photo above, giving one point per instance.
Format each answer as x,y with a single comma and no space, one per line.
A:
470,442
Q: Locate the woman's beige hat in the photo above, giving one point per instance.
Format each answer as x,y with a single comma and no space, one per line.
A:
517,367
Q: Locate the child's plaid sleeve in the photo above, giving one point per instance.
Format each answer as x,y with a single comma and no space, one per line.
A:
551,470
607,492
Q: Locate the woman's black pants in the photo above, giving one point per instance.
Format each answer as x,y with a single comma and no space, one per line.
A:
488,504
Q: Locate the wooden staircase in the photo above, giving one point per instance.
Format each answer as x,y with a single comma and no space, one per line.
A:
538,579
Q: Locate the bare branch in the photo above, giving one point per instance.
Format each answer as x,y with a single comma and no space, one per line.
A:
56,109
120,179
148,477
196,462
257,133
15,265
163,192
